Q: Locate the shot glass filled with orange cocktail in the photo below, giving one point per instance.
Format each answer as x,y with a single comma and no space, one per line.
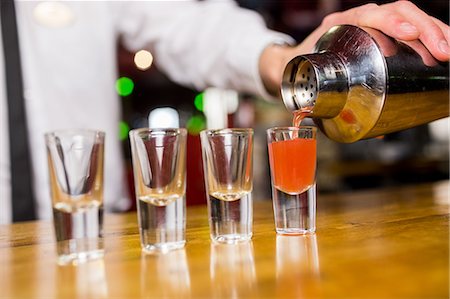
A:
292,157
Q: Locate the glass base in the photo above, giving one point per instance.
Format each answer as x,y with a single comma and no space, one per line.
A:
162,247
80,257
79,235
231,222
231,239
295,214
295,231
78,251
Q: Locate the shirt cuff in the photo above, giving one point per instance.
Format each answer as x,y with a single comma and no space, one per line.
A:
250,55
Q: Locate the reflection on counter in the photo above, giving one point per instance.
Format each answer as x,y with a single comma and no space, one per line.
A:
232,270
297,255
165,275
297,265
89,278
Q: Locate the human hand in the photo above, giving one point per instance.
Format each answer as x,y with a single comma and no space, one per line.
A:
401,20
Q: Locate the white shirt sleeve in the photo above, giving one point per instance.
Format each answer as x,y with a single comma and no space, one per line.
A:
201,44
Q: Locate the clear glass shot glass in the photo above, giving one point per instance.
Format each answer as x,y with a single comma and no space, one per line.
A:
159,166
228,170
292,157
75,161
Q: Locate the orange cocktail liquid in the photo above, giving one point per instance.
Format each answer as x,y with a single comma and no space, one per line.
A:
298,116
293,164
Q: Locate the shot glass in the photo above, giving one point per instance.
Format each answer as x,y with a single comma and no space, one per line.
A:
228,169
159,166
75,161
292,157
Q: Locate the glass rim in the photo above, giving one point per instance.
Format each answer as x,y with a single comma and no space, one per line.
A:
291,128
225,131
158,131
98,133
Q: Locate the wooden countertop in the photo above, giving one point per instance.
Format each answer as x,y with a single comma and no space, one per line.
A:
391,243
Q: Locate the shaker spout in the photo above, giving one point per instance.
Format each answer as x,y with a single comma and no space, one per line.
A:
316,84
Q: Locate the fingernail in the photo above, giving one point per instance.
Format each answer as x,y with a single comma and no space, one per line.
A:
408,28
443,46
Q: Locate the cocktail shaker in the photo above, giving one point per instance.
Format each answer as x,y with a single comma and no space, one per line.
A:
359,84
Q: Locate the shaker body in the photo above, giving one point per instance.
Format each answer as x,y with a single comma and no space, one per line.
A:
366,85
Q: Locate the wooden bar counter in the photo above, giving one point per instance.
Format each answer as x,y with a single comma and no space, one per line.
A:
390,243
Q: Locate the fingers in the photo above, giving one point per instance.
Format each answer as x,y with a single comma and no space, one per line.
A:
387,20
401,20
371,15
420,49
432,33
444,27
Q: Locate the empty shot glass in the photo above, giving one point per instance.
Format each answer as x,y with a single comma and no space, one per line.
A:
159,166
228,169
292,157
75,161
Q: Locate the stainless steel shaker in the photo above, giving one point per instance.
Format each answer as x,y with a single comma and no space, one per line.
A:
359,83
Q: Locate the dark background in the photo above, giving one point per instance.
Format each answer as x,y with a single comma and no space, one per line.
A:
417,157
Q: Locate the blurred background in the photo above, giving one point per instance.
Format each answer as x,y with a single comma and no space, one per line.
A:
413,156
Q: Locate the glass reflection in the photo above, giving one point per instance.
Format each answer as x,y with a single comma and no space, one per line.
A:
232,270
88,280
297,255
297,266
165,275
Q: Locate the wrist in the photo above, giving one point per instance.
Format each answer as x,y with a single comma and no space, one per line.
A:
272,63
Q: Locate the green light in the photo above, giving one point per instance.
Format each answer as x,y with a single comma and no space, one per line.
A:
123,130
198,102
195,124
124,86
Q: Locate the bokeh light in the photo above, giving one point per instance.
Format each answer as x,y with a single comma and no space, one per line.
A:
53,14
143,60
124,129
165,117
124,86
198,102
195,124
